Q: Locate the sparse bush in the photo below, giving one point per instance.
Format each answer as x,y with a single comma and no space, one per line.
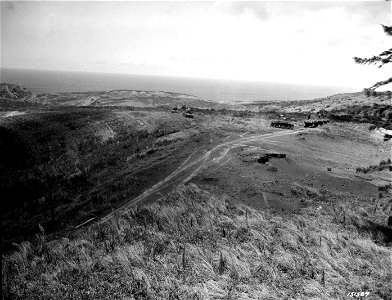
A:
383,165
384,188
372,127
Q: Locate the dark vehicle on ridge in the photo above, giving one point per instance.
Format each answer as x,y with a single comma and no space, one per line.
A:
316,122
188,115
282,124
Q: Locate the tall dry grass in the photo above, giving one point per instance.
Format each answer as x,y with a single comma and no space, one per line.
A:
194,245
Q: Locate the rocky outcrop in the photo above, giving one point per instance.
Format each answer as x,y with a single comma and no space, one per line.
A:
13,91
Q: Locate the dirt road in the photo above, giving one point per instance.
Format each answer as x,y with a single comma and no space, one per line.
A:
196,161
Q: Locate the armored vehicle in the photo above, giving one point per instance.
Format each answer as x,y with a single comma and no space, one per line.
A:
316,122
282,124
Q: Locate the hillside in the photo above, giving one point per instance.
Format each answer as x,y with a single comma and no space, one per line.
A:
330,103
61,165
13,91
124,98
110,195
193,245
348,107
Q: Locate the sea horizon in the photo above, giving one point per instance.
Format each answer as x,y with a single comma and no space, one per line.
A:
218,90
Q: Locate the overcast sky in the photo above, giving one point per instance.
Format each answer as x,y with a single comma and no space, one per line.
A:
295,42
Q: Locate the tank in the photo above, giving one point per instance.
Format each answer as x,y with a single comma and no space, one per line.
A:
315,122
282,124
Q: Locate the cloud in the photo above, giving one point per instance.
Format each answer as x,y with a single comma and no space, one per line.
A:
267,41
259,9
368,10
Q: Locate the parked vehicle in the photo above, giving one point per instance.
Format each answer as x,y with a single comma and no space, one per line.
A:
282,124
188,115
316,122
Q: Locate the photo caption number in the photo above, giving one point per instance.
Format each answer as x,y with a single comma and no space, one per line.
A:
358,294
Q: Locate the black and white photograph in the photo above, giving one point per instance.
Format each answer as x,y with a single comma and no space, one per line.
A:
196,150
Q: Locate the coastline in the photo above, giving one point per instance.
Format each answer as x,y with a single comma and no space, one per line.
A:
224,91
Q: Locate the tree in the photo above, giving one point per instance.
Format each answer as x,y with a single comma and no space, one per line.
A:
381,59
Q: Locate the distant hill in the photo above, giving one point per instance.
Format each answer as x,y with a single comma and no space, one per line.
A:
129,98
133,98
13,91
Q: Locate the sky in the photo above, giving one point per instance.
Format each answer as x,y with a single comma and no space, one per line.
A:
292,42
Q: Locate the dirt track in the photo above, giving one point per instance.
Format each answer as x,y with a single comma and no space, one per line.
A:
198,160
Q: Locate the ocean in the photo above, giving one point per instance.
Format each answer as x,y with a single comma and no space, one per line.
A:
228,91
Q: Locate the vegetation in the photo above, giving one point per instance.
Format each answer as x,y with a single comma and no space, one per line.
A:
61,167
383,165
379,115
193,245
385,187
13,91
381,59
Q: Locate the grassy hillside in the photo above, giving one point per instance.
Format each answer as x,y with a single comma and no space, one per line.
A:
62,166
71,157
194,245
124,98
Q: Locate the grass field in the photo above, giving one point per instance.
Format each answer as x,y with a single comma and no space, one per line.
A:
193,245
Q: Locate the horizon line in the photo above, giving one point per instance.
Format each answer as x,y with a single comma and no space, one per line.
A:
186,77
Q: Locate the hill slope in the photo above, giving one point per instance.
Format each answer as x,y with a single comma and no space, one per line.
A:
303,225
193,245
13,91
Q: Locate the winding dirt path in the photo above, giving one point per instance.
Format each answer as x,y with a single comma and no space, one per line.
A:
196,161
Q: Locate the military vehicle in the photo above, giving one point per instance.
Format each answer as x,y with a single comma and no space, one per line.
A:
188,115
282,124
175,110
316,122
265,157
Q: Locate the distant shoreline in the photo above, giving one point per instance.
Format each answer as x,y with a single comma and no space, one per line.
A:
226,91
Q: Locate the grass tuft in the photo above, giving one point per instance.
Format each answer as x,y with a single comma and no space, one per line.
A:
194,245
